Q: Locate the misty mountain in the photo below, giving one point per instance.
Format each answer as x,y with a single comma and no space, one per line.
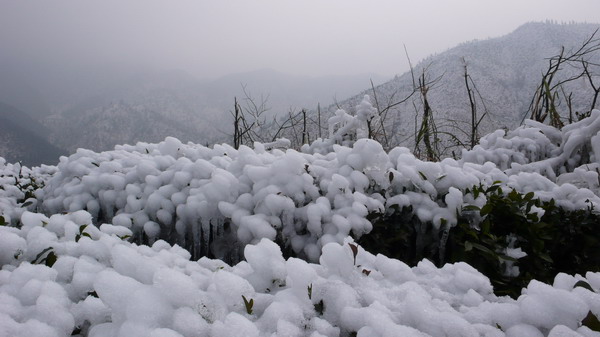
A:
285,91
506,72
105,126
17,92
22,138
152,105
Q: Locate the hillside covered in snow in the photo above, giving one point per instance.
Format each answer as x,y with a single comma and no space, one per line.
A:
504,73
174,239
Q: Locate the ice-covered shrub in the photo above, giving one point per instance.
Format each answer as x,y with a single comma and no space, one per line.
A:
512,238
101,285
17,187
567,156
212,201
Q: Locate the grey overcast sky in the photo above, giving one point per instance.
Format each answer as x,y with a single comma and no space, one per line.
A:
211,38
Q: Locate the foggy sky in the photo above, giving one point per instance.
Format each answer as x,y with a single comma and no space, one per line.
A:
213,38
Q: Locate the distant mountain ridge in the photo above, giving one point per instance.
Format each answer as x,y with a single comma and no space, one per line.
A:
176,104
506,71
150,105
23,139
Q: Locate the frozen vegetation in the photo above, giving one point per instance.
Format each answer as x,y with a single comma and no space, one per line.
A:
134,241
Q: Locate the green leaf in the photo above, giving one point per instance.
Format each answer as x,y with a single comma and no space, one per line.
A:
484,249
528,196
507,258
584,284
545,257
486,209
485,227
471,208
492,188
50,259
468,246
28,203
82,228
422,175
440,177
591,321
2,221
38,258
248,304
473,234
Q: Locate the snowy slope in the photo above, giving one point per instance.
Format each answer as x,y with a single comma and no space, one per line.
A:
506,72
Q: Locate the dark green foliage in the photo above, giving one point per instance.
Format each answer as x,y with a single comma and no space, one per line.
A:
248,304
591,321
48,259
82,233
561,241
400,234
28,185
319,307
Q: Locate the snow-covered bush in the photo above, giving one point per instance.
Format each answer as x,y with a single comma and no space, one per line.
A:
212,201
101,285
513,238
17,187
570,156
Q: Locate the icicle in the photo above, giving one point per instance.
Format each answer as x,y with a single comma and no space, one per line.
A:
195,240
205,244
443,241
